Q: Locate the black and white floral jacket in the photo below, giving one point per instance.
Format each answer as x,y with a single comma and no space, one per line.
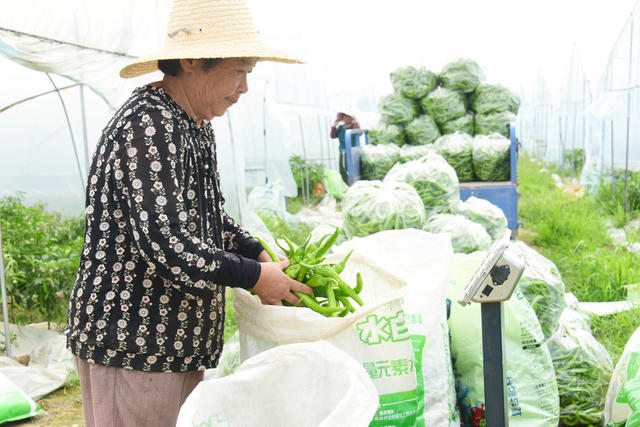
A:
159,248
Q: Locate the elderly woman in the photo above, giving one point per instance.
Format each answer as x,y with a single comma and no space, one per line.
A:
146,315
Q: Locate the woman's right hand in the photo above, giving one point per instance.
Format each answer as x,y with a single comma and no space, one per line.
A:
273,285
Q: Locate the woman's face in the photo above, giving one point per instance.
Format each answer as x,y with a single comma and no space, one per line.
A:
212,92
347,119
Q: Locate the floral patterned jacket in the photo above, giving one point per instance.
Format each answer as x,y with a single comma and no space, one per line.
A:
159,249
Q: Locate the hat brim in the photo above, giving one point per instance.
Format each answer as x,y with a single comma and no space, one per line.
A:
252,49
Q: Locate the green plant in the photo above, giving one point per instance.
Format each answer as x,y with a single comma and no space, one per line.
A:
573,161
41,255
572,234
279,227
307,174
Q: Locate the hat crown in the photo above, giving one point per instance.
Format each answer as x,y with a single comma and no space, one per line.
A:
213,20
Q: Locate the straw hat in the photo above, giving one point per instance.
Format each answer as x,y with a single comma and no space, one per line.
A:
208,29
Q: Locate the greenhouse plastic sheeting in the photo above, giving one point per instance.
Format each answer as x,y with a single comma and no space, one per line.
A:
288,109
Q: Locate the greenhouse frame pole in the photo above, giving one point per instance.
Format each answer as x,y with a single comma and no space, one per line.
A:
85,139
5,311
613,175
264,130
305,184
239,191
73,140
626,161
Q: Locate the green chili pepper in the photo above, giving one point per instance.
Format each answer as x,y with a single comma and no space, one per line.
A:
313,305
339,267
274,257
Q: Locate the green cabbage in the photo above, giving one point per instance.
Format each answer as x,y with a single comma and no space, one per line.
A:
457,149
422,130
397,110
412,82
444,105
462,75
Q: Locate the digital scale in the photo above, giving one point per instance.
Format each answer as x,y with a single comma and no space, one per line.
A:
492,283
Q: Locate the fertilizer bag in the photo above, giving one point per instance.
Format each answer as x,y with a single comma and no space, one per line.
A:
306,384
623,395
375,335
14,403
420,261
532,393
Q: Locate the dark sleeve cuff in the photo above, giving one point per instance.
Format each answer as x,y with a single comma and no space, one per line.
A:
238,271
250,248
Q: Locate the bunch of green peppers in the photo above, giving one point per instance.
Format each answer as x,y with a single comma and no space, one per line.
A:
332,296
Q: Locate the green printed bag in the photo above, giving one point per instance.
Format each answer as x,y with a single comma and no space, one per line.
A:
420,263
14,403
532,391
376,336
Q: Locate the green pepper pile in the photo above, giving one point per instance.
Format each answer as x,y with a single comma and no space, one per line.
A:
377,160
466,236
462,75
444,105
385,133
414,152
332,296
412,82
491,155
434,180
482,211
583,371
457,149
372,206
395,109
461,124
422,130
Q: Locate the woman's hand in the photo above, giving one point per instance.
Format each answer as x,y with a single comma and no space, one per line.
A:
273,285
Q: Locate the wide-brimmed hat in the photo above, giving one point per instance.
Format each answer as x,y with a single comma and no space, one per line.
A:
208,29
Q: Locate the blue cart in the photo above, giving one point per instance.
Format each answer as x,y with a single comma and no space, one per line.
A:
503,194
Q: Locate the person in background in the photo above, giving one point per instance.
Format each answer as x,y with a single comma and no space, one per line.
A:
344,121
147,313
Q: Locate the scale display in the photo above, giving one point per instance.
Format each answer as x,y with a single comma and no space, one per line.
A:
498,273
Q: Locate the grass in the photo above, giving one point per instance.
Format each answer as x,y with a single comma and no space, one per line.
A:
571,232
